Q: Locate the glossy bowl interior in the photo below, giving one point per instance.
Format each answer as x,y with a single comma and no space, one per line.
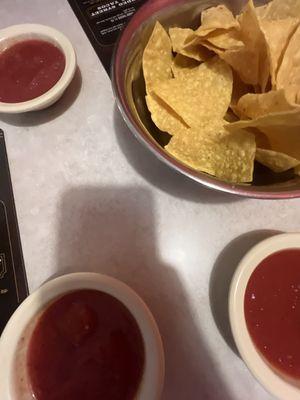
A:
282,387
17,33
129,89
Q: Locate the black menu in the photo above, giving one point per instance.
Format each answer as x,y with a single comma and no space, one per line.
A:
13,282
102,21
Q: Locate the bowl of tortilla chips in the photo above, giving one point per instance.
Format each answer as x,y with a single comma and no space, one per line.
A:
213,90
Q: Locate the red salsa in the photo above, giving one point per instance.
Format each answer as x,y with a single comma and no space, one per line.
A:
86,345
29,69
272,310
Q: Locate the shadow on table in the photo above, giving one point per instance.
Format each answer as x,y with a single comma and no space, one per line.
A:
222,274
112,231
48,114
161,175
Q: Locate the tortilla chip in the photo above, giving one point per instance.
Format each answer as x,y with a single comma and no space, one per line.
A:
179,36
277,34
297,170
157,57
202,42
182,65
163,116
219,17
261,11
228,40
239,89
216,18
244,63
284,139
214,151
216,40
215,22
286,118
230,116
280,129
202,95
289,70
277,162
279,9
255,40
251,61
292,93
253,105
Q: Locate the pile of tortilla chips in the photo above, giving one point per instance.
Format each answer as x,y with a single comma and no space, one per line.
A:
229,92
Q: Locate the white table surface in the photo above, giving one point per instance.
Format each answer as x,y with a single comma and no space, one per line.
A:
90,198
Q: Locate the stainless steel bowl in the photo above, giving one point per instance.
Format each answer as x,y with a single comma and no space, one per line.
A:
129,90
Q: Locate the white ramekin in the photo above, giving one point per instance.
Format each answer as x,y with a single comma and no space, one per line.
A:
272,381
17,33
153,376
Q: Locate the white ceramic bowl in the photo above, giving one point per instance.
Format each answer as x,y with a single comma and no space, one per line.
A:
21,323
271,380
17,33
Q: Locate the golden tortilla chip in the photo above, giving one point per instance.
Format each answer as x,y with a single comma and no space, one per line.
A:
239,89
178,37
285,118
228,40
279,9
219,17
261,11
181,36
216,40
284,139
215,22
280,129
203,43
253,105
182,65
292,93
277,34
230,116
204,94
297,170
251,61
218,20
289,70
163,116
243,63
228,156
277,162
157,57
